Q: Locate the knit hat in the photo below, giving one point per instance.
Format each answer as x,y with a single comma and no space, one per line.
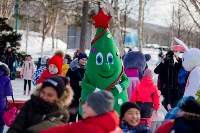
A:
148,73
57,82
191,106
170,53
101,102
126,106
82,55
4,68
78,51
57,61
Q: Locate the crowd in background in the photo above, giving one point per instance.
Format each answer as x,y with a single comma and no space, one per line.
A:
159,108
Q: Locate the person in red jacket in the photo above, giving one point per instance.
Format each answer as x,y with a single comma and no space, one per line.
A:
147,96
54,67
98,116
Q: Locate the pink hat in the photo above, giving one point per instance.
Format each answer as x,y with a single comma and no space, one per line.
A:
148,73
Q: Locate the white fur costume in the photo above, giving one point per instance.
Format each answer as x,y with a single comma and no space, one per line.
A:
191,63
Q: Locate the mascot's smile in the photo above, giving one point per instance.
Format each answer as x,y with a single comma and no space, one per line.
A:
104,76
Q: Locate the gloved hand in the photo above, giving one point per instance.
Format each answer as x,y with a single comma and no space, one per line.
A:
142,128
114,91
97,89
21,76
169,106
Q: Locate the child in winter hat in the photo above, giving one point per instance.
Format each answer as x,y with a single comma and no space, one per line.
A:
5,90
146,95
101,102
54,67
148,73
131,119
126,106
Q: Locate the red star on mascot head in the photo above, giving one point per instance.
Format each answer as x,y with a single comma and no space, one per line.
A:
101,19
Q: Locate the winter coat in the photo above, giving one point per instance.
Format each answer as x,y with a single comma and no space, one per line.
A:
106,123
37,74
187,124
45,75
146,91
28,69
65,68
5,89
140,128
133,77
76,75
168,78
36,111
165,127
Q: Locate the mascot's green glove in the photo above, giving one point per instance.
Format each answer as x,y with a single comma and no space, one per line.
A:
198,94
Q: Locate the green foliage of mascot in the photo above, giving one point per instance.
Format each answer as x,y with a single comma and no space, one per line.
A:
104,70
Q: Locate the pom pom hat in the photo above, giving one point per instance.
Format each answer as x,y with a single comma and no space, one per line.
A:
57,61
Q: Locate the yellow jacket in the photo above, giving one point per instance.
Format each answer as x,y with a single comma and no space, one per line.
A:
65,68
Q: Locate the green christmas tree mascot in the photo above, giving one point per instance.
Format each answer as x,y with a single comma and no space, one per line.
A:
104,70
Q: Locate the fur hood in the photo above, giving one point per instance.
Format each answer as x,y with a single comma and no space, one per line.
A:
74,64
64,101
191,116
4,68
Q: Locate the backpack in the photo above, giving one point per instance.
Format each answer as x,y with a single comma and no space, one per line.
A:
182,76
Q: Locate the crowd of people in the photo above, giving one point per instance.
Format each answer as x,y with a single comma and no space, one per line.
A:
53,106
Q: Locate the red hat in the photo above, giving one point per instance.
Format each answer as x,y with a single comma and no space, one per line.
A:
57,61
78,51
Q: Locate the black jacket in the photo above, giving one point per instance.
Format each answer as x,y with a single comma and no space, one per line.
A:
186,125
168,77
76,75
35,111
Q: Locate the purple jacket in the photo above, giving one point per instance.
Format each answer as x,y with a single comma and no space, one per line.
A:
5,90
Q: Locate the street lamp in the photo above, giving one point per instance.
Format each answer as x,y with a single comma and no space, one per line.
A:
27,23
16,15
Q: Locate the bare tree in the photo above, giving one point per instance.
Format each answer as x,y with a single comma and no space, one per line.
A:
196,4
47,19
181,28
125,13
84,25
6,7
140,24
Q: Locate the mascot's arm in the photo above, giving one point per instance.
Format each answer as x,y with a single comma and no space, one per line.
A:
86,88
194,81
159,68
118,88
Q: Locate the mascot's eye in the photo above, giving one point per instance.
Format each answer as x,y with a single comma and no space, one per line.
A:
182,59
99,59
110,58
